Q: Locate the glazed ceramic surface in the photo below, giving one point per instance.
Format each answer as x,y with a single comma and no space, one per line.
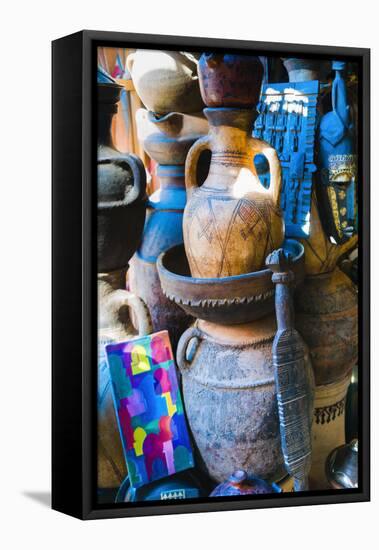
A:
231,222
166,81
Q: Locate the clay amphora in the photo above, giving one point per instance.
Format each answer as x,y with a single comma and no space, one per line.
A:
167,140
114,305
231,222
166,81
121,185
230,80
230,399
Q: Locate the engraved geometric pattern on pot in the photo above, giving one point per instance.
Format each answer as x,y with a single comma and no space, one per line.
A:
324,415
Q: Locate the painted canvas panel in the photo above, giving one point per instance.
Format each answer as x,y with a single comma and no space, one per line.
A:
149,408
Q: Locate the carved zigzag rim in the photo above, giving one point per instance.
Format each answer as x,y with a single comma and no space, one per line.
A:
218,302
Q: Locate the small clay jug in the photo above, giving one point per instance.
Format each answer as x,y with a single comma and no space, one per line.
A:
165,80
231,222
229,80
121,187
230,397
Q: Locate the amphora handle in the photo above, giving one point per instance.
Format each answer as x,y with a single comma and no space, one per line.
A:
261,147
202,144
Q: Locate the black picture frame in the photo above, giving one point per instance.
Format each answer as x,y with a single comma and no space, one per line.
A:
74,294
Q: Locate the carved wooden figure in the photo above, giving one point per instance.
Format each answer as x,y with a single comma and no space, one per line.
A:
293,377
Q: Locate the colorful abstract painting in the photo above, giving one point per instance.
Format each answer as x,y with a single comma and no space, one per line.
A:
149,408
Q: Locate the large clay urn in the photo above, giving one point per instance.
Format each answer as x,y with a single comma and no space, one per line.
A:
327,317
114,325
167,140
231,222
166,80
121,185
230,397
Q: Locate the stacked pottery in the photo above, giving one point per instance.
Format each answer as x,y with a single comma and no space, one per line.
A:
167,83
121,186
327,318
230,224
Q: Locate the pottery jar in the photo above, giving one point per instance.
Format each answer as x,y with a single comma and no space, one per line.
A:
230,80
328,428
121,185
229,394
167,140
231,222
114,306
165,80
327,317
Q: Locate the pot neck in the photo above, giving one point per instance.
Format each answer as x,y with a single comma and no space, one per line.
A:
171,176
230,134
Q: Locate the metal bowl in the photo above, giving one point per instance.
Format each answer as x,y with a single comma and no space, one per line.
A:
225,300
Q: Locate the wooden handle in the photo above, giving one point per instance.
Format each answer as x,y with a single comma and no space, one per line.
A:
202,144
262,147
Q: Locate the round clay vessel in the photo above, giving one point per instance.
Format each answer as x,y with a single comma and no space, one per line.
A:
167,140
225,300
114,305
231,222
229,80
327,317
165,80
230,399
121,187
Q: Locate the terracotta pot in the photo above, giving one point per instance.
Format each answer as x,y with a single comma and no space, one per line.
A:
231,222
328,428
166,81
229,80
121,185
114,326
166,139
230,400
327,317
